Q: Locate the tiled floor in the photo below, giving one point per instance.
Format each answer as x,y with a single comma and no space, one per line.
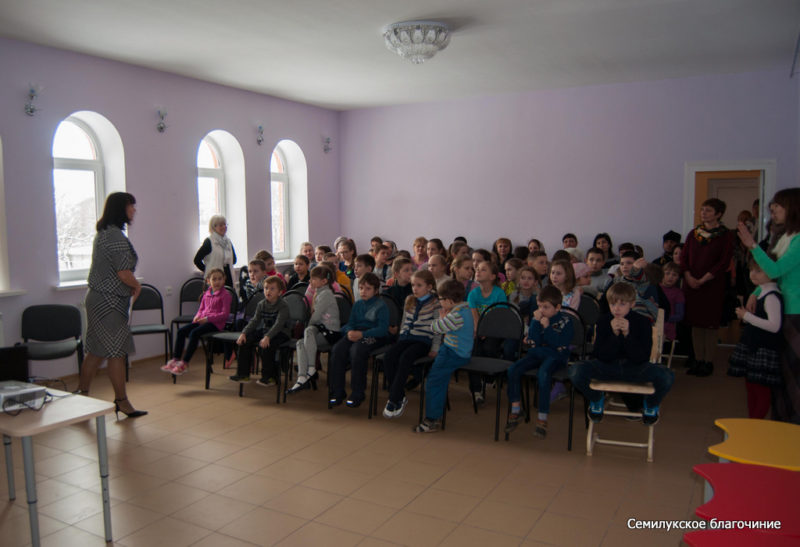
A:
208,468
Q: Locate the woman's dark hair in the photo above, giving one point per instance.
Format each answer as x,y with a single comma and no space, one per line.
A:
603,235
717,204
789,199
115,211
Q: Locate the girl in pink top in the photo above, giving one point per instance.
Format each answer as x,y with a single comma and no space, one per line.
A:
215,307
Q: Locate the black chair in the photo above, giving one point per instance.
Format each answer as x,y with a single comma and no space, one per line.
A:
500,320
191,292
297,322
149,300
52,331
589,312
300,287
226,336
395,320
561,374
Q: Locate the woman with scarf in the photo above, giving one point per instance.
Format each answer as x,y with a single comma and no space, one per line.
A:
706,257
785,270
217,250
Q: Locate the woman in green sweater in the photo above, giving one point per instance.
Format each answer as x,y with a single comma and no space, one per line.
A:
785,270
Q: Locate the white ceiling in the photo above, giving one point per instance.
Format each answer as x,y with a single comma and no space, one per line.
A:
330,52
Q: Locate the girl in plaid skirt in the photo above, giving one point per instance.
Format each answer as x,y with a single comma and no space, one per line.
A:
757,356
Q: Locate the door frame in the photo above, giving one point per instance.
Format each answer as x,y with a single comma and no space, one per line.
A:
766,189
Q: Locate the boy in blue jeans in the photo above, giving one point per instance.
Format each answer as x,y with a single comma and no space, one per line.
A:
622,353
550,334
456,324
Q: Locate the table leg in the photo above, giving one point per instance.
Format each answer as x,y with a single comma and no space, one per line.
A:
12,493
30,488
102,453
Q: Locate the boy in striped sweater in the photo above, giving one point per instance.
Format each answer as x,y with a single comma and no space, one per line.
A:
456,325
416,340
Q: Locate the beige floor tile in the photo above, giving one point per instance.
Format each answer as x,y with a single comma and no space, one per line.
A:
337,481
213,512
567,531
442,504
325,451
74,508
375,542
47,491
250,459
315,533
72,537
620,536
513,492
60,464
263,526
303,502
17,530
255,489
169,467
580,504
125,520
130,484
168,498
292,469
167,532
210,451
513,520
355,515
219,540
389,492
414,529
175,443
417,472
465,482
466,536
212,477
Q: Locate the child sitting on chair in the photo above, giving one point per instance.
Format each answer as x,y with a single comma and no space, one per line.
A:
301,271
366,330
363,264
549,336
455,323
265,333
622,352
256,273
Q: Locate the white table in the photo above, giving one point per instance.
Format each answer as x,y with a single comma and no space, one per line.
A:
64,410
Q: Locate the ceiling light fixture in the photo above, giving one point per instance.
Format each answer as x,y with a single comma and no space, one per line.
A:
416,41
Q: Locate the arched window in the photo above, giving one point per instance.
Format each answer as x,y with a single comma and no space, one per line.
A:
210,184
279,201
288,199
79,188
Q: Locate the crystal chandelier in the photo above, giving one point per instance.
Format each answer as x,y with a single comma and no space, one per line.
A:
416,41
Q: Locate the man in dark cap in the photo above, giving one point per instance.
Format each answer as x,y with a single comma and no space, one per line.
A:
670,241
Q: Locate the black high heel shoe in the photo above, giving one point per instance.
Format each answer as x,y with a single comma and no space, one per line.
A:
131,414
313,380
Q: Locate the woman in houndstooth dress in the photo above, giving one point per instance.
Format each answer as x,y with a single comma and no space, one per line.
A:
111,286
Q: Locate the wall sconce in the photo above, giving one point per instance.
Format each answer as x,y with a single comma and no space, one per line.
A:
161,112
326,144
260,134
33,93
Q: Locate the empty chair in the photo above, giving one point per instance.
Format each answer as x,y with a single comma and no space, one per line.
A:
149,300
52,331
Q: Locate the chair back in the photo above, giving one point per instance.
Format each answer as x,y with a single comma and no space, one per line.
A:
244,275
589,310
345,307
300,287
251,305
395,313
658,338
579,333
51,322
149,299
501,320
298,313
191,291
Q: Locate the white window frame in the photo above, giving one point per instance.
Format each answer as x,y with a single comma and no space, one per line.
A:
282,178
97,167
213,172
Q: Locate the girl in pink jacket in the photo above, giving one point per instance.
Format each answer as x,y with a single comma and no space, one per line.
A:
210,317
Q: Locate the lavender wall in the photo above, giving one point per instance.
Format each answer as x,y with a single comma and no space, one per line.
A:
603,158
160,168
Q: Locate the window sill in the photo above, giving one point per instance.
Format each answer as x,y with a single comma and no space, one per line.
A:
72,285
10,292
